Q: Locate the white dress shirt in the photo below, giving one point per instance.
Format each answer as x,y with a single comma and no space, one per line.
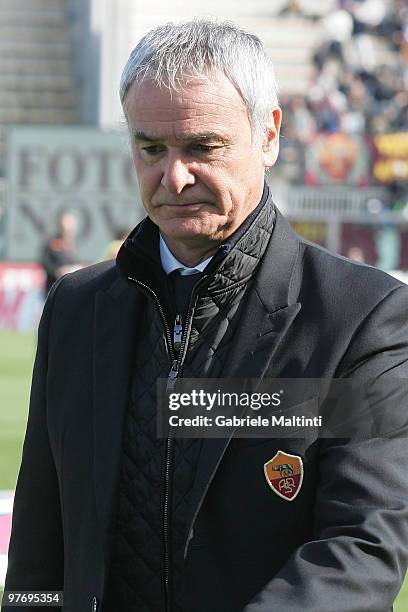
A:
170,263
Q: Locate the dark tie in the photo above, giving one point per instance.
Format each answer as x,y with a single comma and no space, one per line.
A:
182,287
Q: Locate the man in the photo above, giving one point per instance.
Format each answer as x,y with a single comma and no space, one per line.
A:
213,283
59,255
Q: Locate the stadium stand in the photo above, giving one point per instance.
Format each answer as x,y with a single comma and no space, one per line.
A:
359,82
35,66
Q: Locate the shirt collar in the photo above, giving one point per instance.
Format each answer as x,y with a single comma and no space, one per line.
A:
170,263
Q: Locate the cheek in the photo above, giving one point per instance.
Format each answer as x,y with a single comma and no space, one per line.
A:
219,179
148,178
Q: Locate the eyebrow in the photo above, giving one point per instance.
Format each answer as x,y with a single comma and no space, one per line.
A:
137,135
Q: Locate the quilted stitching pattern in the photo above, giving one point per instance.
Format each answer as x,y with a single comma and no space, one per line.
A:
136,578
136,581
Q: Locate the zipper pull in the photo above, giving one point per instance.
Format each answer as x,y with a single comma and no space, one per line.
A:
172,376
178,332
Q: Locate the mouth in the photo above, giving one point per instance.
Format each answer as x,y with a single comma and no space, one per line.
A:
185,204
188,207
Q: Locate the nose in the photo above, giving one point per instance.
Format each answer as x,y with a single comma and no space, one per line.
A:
177,174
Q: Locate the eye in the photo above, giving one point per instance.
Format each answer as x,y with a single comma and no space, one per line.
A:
152,149
204,148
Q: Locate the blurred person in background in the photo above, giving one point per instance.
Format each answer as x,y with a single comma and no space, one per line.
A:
356,253
59,255
213,283
113,247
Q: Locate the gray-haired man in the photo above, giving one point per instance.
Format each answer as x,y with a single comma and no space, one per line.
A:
212,284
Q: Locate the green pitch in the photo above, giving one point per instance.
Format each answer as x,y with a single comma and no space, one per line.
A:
16,361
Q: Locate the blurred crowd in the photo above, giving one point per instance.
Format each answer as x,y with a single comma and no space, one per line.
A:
360,73
359,84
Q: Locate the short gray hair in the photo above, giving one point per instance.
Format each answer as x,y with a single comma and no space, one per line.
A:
171,53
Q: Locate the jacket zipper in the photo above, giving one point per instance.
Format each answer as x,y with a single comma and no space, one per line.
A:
178,332
166,327
180,340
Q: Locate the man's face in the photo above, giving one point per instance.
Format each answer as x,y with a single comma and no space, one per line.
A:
199,172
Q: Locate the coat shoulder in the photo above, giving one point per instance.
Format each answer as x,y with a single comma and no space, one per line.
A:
77,290
88,281
342,278
94,277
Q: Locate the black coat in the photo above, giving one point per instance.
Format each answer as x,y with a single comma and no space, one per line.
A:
340,545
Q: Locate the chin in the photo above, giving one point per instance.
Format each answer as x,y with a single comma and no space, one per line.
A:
187,228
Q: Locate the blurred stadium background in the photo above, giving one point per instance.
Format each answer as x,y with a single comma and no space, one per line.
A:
341,177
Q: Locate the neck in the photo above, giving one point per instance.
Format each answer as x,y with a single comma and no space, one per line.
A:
188,254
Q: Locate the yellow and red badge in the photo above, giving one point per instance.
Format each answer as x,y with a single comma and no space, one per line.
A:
284,474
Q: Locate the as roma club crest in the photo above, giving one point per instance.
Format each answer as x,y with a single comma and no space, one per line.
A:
284,474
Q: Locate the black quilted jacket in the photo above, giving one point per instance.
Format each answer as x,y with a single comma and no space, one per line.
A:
157,475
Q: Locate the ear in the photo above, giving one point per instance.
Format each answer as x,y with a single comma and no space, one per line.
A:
270,146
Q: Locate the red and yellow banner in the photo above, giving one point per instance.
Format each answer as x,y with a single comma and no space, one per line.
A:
391,157
338,159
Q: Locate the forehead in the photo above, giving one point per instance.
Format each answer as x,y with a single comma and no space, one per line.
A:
208,104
